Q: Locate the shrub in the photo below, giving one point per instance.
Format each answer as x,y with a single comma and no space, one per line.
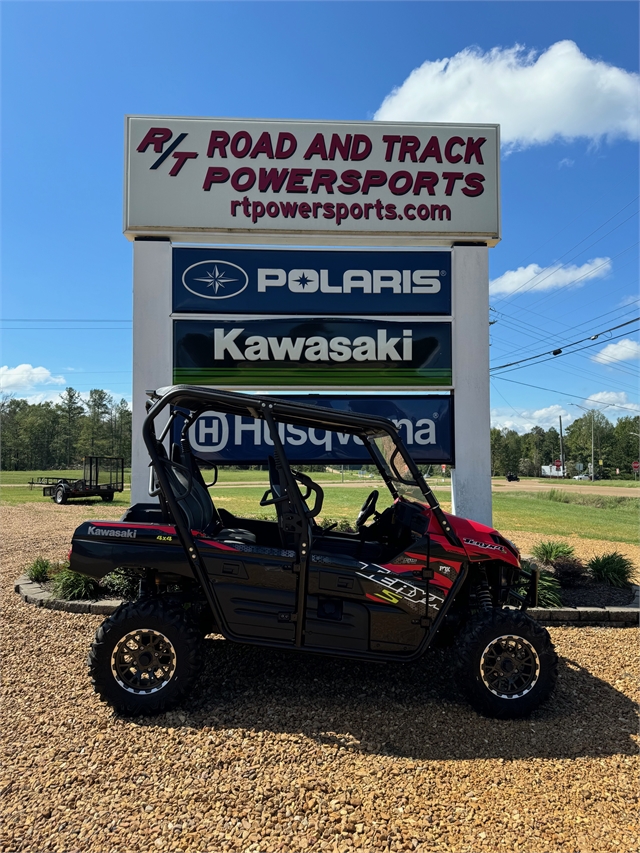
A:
549,551
548,590
72,586
613,568
340,524
38,571
123,583
548,587
568,570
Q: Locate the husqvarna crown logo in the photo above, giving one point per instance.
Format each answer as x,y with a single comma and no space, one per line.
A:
215,279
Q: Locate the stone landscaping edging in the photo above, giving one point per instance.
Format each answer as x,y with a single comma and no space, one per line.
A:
35,593
617,617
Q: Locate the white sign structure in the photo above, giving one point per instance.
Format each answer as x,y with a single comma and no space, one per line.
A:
379,183
350,184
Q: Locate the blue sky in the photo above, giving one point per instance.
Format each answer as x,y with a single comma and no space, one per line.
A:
566,269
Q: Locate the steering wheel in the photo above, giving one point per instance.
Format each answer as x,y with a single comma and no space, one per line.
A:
368,509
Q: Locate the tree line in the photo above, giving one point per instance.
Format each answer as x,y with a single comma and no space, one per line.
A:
58,435
46,436
615,444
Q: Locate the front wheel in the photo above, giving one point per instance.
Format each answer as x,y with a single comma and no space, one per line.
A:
145,657
60,496
107,497
507,664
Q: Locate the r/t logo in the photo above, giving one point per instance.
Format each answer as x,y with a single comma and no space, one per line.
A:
158,136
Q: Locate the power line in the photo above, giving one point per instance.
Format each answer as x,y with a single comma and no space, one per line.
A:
565,393
576,245
579,216
513,321
554,357
67,329
558,350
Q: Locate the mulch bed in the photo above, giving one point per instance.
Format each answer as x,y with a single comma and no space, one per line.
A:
592,594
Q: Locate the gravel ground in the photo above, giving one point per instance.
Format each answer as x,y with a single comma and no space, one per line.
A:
281,752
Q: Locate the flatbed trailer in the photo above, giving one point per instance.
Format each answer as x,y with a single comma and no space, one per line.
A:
103,476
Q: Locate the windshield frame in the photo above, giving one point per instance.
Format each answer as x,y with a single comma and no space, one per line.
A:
397,482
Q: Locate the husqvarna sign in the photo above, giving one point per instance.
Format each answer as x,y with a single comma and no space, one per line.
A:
191,177
425,423
271,281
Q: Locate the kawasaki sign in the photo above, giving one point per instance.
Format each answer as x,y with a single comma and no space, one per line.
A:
266,281
425,423
312,353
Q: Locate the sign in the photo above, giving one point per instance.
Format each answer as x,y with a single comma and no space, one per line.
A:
312,353
558,463
271,281
600,462
425,423
635,466
417,182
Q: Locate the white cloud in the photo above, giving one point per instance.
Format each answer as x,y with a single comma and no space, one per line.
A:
566,161
611,398
624,350
25,376
525,420
535,97
535,277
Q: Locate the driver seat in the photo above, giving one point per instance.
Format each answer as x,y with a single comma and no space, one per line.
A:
192,496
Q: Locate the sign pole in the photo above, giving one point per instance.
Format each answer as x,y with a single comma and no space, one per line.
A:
152,345
471,477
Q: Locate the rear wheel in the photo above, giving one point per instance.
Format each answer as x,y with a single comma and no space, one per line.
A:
145,657
107,497
507,663
60,495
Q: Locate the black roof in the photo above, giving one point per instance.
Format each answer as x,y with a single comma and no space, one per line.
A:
195,397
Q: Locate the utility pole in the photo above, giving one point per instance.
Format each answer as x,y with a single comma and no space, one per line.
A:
592,412
561,449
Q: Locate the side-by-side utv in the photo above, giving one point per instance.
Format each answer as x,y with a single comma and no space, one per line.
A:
409,573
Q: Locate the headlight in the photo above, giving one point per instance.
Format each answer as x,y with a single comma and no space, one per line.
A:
513,545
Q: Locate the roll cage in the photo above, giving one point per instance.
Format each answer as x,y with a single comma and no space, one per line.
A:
379,435
187,403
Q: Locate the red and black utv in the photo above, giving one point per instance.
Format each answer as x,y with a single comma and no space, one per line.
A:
382,593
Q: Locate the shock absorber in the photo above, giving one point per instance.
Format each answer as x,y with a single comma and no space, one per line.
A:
483,593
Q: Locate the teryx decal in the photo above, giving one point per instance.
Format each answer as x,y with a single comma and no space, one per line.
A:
485,545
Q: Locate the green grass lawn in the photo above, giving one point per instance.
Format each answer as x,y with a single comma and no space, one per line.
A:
526,511
530,511
21,478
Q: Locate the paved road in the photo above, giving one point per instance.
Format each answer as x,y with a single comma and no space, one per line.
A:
575,488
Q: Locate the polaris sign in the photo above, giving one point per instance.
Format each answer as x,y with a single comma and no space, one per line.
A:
270,281
312,353
425,424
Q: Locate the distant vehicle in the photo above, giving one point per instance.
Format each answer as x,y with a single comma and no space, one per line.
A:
103,476
512,478
582,477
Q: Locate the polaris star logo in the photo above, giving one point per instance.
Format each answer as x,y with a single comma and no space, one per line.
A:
215,279
107,531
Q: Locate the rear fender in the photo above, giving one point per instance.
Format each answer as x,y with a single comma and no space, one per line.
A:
98,548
